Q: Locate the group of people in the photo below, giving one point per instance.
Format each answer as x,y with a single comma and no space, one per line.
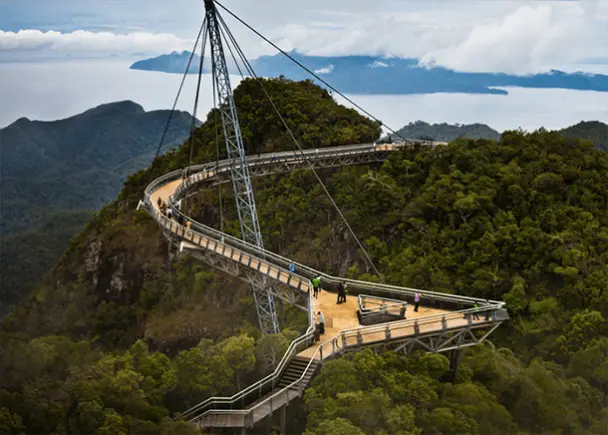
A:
316,288
164,209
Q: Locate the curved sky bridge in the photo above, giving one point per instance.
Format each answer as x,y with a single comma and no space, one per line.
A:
444,322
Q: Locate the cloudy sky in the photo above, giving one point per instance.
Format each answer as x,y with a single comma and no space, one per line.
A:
516,36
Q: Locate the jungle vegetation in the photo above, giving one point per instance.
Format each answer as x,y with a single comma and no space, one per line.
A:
118,338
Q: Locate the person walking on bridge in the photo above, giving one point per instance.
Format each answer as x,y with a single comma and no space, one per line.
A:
292,267
475,311
316,283
321,323
341,292
416,301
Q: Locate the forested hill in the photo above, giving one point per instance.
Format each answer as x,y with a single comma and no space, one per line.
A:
595,131
521,220
54,174
447,132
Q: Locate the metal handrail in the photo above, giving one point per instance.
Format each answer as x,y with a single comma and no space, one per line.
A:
380,306
310,272
231,240
362,302
263,253
339,346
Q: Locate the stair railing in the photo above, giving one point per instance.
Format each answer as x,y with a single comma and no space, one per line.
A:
297,345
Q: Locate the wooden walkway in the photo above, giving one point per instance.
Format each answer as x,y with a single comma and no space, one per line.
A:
344,317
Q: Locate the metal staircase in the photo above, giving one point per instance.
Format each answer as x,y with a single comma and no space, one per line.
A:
296,368
291,384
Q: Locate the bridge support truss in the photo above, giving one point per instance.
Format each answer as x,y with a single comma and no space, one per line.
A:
441,341
241,180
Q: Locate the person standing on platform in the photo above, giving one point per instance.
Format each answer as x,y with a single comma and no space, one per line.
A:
341,292
316,283
321,323
416,301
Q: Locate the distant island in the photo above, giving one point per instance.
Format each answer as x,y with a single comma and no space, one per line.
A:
388,76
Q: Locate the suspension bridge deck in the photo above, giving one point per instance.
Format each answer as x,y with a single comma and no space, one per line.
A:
443,322
344,317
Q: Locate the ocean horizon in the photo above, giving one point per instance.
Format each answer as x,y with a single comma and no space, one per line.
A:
51,90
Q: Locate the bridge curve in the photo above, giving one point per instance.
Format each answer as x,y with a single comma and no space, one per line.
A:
449,321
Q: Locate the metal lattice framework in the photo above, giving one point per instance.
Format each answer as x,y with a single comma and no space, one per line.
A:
241,180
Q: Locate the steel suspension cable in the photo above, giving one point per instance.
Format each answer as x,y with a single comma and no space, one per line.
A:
231,53
162,139
311,166
308,70
194,112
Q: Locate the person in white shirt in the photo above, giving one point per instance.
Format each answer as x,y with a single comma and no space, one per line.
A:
321,323
417,301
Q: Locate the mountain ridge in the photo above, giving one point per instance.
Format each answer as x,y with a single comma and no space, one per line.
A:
73,165
378,75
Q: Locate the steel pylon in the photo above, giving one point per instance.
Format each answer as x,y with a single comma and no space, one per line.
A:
241,180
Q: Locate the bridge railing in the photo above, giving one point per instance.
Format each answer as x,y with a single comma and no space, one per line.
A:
429,298
208,171
354,338
374,308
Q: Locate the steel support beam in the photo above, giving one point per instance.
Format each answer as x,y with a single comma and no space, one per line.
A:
241,180
290,295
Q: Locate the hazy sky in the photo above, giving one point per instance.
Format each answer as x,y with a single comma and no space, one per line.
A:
471,35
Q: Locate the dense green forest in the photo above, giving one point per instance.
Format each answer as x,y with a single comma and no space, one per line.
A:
56,174
595,131
121,335
447,132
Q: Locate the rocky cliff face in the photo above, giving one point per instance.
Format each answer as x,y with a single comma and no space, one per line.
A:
113,286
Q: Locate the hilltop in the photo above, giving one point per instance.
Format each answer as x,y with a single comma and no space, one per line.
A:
522,220
379,75
595,131
447,132
55,174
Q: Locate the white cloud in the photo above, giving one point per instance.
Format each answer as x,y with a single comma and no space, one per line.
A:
379,64
81,40
528,40
510,36
326,70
